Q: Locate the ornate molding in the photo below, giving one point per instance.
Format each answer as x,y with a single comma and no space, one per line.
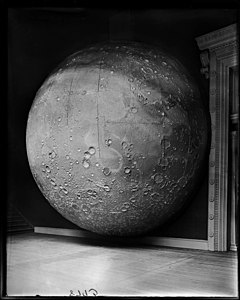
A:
204,57
221,46
234,118
218,38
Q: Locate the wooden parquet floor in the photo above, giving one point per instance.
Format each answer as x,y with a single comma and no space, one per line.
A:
49,265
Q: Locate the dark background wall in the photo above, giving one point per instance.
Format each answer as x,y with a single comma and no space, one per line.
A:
40,38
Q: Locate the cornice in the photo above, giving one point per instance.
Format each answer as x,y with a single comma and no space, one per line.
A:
218,38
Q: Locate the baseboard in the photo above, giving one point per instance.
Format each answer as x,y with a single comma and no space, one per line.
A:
233,248
151,240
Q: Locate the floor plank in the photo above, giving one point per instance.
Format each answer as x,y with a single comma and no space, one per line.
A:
46,265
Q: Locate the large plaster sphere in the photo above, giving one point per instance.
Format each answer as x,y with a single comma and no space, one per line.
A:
115,138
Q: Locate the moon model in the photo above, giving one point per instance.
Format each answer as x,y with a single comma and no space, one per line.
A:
115,138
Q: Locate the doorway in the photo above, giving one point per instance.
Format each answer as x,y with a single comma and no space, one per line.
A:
233,185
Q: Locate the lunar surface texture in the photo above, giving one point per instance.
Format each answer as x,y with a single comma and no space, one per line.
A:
116,136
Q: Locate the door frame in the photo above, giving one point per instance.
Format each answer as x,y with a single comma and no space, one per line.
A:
220,49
